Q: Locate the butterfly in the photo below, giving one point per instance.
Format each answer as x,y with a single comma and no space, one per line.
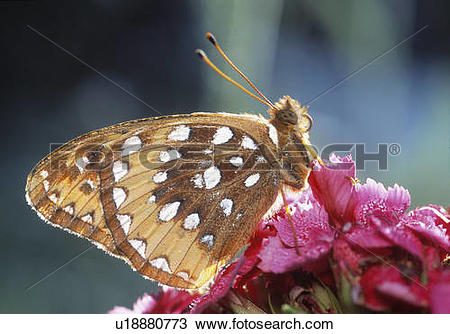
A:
176,197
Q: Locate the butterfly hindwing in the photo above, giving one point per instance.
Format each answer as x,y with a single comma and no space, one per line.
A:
176,197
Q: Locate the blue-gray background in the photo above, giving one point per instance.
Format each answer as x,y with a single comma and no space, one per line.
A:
299,48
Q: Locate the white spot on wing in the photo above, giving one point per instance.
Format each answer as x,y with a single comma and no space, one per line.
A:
44,174
161,264
222,135
132,144
139,246
273,134
260,159
237,161
248,143
165,156
69,209
125,222
119,196
227,206
120,169
212,177
90,183
198,181
53,198
180,133
81,163
208,240
87,218
160,177
251,180
207,151
168,211
184,275
151,199
46,185
191,222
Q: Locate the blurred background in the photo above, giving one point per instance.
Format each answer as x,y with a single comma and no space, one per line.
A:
367,77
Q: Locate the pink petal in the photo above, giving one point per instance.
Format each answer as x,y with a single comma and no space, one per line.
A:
399,235
314,237
143,305
277,258
218,289
430,222
347,257
250,258
432,259
167,301
372,198
410,294
120,310
332,187
172,301
386,288
366,236
376,275
310,223
440,293
398,199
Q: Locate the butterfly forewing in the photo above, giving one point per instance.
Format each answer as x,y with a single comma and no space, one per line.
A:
176,197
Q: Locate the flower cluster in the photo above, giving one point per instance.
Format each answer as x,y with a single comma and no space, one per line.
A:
348,248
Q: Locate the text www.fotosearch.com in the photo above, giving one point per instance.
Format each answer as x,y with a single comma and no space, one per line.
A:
263,324
234,324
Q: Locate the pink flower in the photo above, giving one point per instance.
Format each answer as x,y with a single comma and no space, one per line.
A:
347,201
368,236
359,250
166,301
380,250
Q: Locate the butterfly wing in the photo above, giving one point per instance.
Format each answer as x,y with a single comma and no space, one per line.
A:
176,197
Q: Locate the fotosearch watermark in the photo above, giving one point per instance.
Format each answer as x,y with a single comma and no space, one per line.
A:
228,157
361,154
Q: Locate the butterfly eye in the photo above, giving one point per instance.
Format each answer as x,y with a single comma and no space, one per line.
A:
287,116
307,123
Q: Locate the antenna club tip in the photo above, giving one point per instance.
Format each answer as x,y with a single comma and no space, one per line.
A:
200,53
211,38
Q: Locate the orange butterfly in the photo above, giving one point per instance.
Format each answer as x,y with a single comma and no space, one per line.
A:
176,197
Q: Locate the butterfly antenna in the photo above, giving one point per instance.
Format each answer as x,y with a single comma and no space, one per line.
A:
204,57
294,234
213,41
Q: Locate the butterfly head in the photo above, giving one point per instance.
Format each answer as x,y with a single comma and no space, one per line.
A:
292,116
